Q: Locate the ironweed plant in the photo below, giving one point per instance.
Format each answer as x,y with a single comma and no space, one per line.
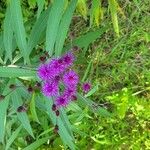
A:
39,86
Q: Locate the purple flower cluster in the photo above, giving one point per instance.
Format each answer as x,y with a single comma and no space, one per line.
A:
57,72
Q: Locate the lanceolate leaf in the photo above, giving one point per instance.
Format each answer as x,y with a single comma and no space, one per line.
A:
16,72
85,40
38,29
1,44
33,109
63,132
53,24
22,116
64,26
66,122
93,106
19,29
3,111
8,34
40,4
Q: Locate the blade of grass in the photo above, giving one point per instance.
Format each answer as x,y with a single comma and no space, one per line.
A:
19,29
87,71
95,12
16,72
64,26
8,34
53,24
13,137
82,8
92,91
22,116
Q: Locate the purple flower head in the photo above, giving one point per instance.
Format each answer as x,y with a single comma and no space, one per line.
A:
44,72
69,92
61,101
57,66
71,79
68,59
50,89
54,72
86,87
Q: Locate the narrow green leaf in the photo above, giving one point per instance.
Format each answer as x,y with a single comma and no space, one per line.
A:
93,106
53,24
1,44
13,137
22,116
87,71
33,109
19,29
93,11
64,26
8,34
16,72
63,132
40,4
92,91
38,29
3,111
113,10
37,143
85,40
66,121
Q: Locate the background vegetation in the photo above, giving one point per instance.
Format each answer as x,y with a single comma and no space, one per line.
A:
114,41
